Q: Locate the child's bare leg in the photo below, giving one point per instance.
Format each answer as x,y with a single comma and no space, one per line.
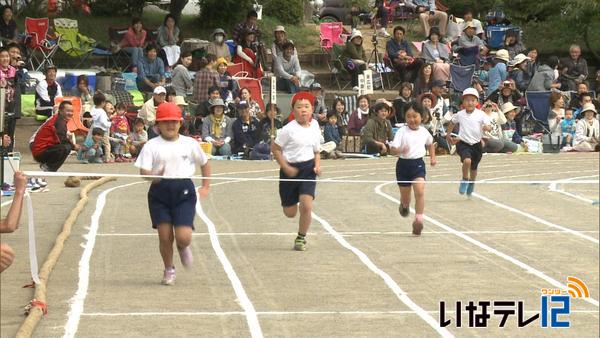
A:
291,211
405,195
473,175
166,238
419,191
466,167
183,236
306,202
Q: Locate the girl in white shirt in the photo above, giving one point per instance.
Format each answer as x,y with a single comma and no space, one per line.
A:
409,143
172,202
296,150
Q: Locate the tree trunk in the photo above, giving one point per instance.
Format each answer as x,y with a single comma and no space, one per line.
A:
177,7
586,39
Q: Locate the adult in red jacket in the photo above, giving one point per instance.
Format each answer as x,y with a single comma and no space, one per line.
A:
50,144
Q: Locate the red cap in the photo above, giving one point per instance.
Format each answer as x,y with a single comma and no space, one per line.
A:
168,111
303,96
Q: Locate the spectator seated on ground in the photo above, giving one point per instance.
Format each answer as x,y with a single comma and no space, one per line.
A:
217,46
401,56
320,109
45,92
584,98
519,72
332,135
506,93
494,140
405,96
287,69
181,80
206,78
582,89
587,131
468,19
91,149
544,78
168,40
353,56
513,44
151,71
137,138
438,89
424,79
228,87
343,117
84,92
245,131
499,72
255,110
377,131
568,128
576,69
279,41
217,129
509,128
428,14
203,108
134,41
359,117
469,44
51,144
246,54
438,54
557,112
11,222
148,111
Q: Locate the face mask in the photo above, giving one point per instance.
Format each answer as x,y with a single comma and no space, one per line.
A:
219,38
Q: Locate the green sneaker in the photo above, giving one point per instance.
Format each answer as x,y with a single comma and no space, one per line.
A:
300,244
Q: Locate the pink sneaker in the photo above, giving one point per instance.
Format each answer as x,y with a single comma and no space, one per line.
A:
169,276
187,259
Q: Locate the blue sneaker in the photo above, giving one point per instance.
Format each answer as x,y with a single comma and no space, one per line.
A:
470,188
462,189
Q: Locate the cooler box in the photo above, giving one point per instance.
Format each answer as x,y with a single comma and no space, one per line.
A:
130,81
15,161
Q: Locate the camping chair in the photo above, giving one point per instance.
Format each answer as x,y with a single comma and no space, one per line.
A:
236,70
75,125
71,42
120,59
336,67
331,34
538,106
469,56
39,42
255,90
461,77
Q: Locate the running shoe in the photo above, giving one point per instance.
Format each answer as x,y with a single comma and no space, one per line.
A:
32,184
169,276
300,244
417,227
41,182
470,188
187,259
44,167
404,211
462,189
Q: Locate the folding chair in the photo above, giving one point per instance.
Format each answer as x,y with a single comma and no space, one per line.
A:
38,41
115,35
75,125
331,34
461,77
336,67
469,56
72,42
255,89
236,70
538,106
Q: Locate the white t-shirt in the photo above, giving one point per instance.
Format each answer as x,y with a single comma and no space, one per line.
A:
177,158
414,141
99,119
298,143
470,125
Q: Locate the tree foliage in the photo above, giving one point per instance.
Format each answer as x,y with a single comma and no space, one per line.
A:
223,13
287,11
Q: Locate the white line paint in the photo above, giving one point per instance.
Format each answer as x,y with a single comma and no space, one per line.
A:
355,233
5,203
386,278
487,248
554,188
277,313
249,311
535,218
78,300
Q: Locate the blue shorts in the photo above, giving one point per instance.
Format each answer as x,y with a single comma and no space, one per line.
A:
474,152
172,201
409,170
290,191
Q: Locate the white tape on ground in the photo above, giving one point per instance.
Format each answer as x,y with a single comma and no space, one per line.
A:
33,262
386,278
487,248
78,300
6,203
250,312
554,188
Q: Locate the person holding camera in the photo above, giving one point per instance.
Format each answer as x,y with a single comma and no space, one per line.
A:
427,14
247,53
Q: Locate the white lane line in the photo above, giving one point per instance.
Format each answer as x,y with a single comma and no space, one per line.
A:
355,233
487,248
386,278
536,219
78,300
5,203
280,313
249,311
554,188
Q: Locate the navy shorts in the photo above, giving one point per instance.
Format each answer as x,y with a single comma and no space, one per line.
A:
290,191
409,170
474,152
172,201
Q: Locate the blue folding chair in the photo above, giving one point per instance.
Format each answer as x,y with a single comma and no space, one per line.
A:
538,106
461,77
469,56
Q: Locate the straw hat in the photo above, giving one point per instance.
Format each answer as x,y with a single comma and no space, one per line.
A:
588,107
502,54
508,107
520,58
279,29
180,101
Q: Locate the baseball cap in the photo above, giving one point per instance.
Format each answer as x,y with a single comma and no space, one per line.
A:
470,91
168,111
159,90
438,83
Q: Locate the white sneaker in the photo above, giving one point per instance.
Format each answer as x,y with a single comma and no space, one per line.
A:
41,182
32,184
384,33
355,88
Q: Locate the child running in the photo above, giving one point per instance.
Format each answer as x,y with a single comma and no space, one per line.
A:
409,142
473,122
172,202
296,150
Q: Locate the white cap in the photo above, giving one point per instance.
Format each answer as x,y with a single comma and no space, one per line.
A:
159,90
470,91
